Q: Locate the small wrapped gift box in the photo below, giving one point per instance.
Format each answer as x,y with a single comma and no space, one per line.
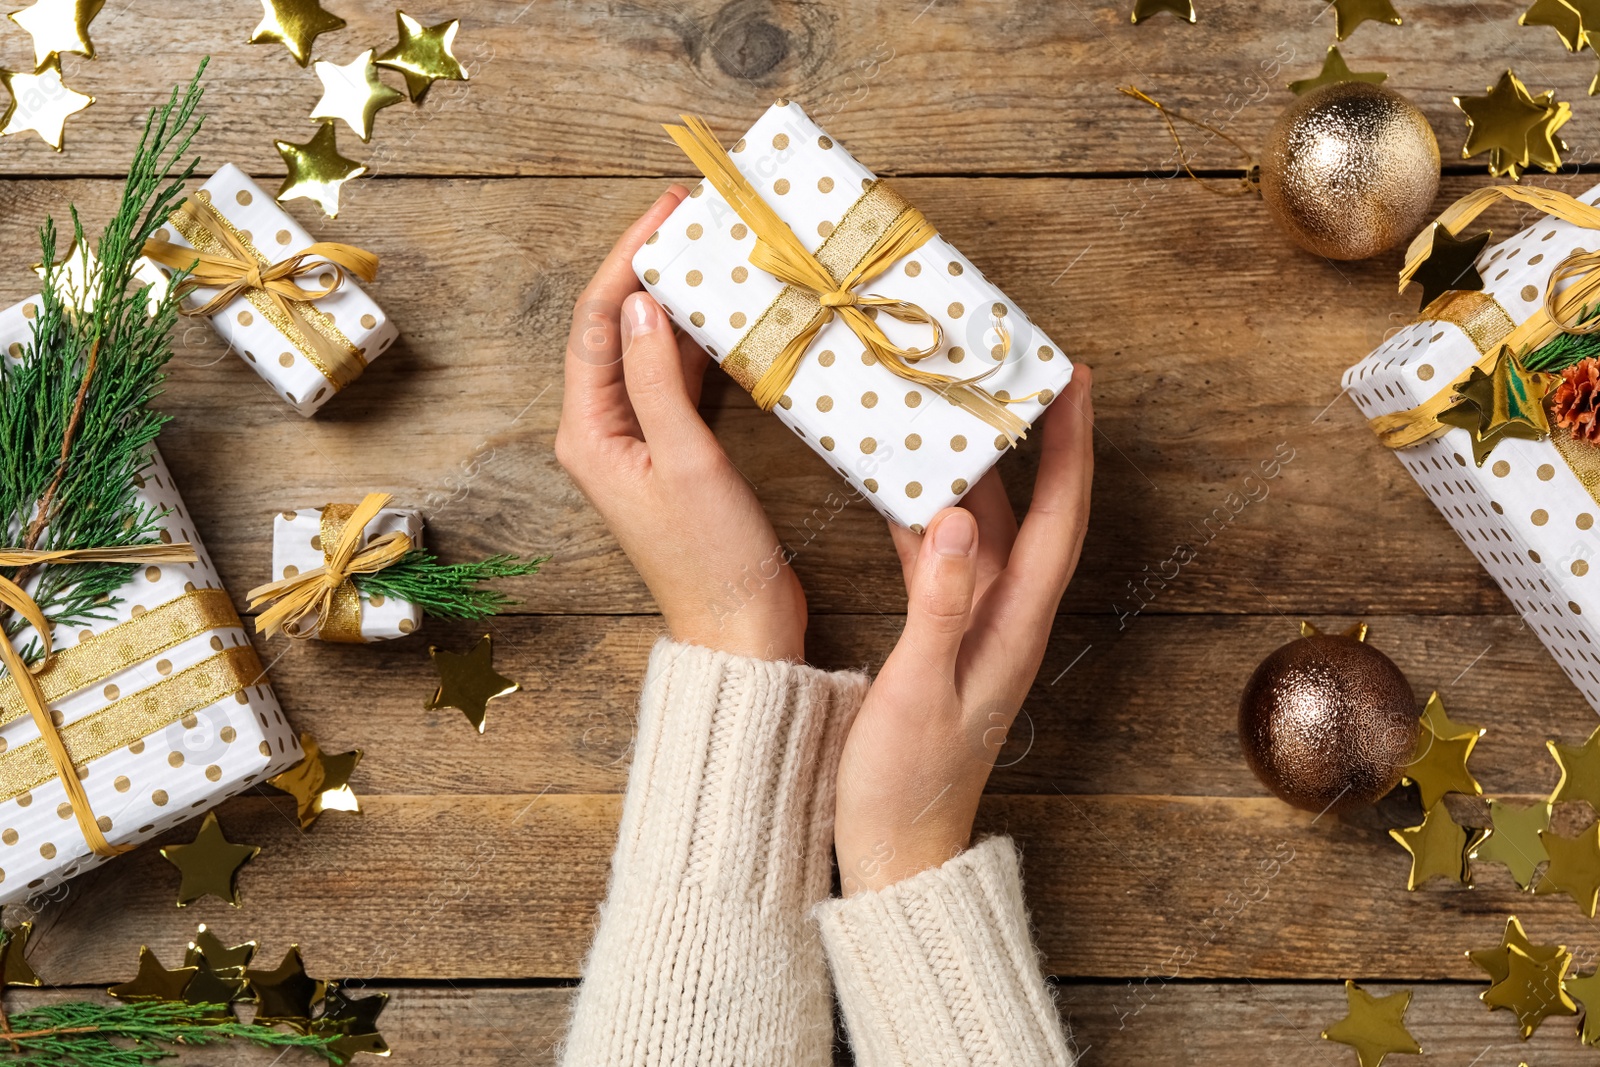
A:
163,706
307,350
906,444
1524,497
303,539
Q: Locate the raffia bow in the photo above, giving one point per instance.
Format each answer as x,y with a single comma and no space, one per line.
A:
302,605
234,268
13,596
781,254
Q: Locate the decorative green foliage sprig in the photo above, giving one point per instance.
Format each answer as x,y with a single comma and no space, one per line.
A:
75,423
1566,349
448,590
84,1034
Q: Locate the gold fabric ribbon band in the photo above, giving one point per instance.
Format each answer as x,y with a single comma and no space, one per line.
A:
54,749
879,229
223,258
323,602
1482,318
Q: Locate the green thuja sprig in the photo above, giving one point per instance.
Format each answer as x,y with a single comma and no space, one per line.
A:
448,591
1566,349
83,1034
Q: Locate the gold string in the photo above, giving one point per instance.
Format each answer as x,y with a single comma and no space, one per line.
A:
1247,181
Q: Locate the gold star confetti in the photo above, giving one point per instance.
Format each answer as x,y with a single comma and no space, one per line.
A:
1438,847
319,782
1143,9
40,102
424,55
1348,14
1509,402
286,993
316,170
208,947
355,1018
295,24
154,982
353,94
1561,16
58,26
1580,771
210,864
1502,124
219,987
1574,867
1334,71
1435,718
469,682
1374,1026
1544,147
1439,765
1451,264
1514,840
1585,989
1532,990
14,967
1496,962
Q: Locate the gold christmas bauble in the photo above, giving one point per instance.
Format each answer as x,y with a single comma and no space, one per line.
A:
1350,169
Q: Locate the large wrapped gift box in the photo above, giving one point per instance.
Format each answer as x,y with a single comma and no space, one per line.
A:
900,444
164,706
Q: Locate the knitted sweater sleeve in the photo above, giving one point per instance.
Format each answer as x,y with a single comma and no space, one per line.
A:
705,954
939,970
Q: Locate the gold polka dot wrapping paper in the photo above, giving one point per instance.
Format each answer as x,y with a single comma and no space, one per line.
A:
1529,512
189,723
901,445
288,364
297,545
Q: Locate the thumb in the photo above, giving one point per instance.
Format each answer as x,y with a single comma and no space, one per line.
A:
940,601
652,370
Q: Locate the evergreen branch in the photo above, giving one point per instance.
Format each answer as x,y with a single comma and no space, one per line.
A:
1566,349
448,591
84,1034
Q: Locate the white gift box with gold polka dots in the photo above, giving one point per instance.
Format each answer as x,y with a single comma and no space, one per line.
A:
1525,514
901,445
297,545
181,729
291,370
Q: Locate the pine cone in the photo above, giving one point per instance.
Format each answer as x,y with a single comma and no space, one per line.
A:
1576,400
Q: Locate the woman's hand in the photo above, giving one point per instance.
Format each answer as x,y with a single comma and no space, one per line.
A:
633,441
982,596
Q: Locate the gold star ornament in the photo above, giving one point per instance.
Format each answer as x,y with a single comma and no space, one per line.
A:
1532,989
295,24
1348,14
1496,962
355,1019
1560,16
353,94
424,55
320,782
1451,264
469,682
1438,848
316,170
154,982
1143,9
1374,1026
14,966
1439,764
1334,71
1574,867
208,948
209,864
58,26
286,993
1508,402
1585,989
1580,771
1514,840
1513,127
40,102
1435,718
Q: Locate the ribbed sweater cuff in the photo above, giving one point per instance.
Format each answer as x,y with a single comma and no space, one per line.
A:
939,970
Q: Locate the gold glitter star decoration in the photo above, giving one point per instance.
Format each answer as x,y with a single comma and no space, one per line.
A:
424,55
469,682
1334,71
154,982
40,102
1574,867
1143,9
1514,127
1374,1026
1439,764
14,967
1580,771
295,24
1585,989
1438,847
1451,264
1513,839
1348,14
354,1019
1508,402
316,170
286,993
209,864
58,26
209,947
353,94
1496,962
320,782
1532,989
1560,16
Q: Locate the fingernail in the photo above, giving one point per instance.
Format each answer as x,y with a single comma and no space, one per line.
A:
643,313
955,535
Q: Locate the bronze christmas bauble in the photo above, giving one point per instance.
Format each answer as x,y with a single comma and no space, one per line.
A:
1350,169
1328,723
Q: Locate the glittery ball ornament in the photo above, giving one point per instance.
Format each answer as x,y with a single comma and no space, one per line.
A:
1350,170
1328,722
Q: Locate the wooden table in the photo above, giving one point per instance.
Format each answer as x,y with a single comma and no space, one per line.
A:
468,885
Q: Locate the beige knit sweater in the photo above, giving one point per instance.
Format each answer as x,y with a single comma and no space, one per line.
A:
716,936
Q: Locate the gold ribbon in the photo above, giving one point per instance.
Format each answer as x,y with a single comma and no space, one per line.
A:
223,258
1558,314
16,598
818,288
323,602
